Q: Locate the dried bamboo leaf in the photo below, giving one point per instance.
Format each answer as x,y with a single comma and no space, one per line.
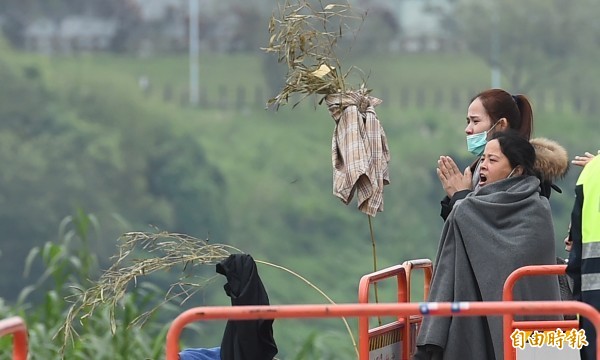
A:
305,37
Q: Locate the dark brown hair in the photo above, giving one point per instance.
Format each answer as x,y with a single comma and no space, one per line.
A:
516,109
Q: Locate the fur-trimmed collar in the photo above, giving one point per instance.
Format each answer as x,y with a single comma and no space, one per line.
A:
551,159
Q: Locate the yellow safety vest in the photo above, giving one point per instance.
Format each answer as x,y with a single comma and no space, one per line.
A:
590,213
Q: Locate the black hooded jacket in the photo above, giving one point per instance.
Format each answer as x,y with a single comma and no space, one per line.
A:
245,339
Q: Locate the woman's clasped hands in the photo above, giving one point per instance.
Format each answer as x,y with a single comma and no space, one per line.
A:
451,177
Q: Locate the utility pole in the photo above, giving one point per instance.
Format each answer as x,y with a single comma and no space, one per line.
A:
402,32
495,48
194,14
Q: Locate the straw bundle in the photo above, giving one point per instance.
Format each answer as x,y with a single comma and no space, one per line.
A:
160,252
305,37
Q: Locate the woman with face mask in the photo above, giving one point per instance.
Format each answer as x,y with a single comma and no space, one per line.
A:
491,111
503,225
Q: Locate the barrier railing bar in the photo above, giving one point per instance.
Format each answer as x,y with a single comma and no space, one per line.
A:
16,326
427,267
398,271
530,270
507,295
358,310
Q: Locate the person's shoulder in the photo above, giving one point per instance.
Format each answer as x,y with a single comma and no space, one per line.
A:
594,163
591,170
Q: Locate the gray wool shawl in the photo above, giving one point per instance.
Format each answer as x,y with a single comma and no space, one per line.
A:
493,231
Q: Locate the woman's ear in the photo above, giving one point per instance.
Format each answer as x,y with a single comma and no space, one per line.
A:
518,170
502,124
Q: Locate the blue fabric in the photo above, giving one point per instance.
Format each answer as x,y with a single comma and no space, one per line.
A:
201,354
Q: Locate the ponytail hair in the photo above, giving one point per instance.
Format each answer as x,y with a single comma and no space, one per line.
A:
526,115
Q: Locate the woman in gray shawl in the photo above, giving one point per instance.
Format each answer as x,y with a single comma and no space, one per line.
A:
502,226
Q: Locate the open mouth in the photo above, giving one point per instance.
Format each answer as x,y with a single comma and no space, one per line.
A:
482,179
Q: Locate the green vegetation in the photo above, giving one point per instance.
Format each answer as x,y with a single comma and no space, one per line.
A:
78,133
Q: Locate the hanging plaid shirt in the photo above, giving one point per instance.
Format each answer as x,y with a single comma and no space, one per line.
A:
360,154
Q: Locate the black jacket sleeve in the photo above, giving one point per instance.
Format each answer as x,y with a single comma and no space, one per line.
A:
546,188
447,204
574,264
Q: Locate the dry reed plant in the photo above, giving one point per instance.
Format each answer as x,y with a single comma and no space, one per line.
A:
141,254
305,36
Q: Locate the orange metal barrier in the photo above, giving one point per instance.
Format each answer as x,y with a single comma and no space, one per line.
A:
404,329
16,327
427,267
415,321
509,323
363,310
366,335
